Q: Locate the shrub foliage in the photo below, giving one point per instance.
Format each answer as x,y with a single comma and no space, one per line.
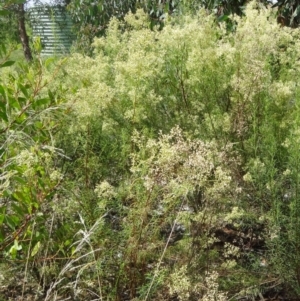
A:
179,172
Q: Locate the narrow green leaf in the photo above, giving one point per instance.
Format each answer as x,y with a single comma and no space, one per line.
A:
2,214
2,235
223,18
3,116
41,102
20,180
41,183
2,92
3,50
7,64
49,61
24,90
19,209
35,248
18,196
2,106
11,222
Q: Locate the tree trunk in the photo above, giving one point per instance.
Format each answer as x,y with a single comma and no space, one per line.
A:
23,33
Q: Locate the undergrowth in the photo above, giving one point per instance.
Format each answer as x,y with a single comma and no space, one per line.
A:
177,163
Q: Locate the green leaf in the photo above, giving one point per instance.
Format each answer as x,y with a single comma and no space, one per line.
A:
4,12
37,45
41,183
21,118
2,92
49,61
3,50
3,116
41,102
13,252
67,242
18,196
2,106
9,90
14,103
51,95
12,221
21,210
7,193
166,7
38,125
20,180
2,235
14,249
35,249
2,214
22,100
24,90
223,18
7,64
17,246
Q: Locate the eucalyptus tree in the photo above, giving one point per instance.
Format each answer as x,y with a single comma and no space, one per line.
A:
288,12
13,13
91,17
8,26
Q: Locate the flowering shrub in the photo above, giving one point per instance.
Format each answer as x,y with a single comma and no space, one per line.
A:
192,120
180,171
183,132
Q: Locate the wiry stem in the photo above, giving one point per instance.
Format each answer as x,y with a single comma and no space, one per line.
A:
163,254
